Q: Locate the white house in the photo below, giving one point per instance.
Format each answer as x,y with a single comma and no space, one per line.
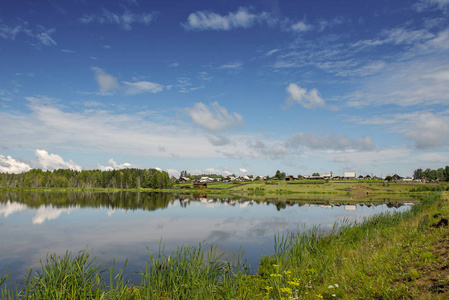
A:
349,175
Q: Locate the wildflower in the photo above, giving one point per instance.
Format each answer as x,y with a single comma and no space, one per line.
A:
330,286
336,285
268,288
286,290
295,283
333,295
287,272
319,296
275,275
276,266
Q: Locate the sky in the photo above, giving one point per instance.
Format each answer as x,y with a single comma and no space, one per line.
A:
225,87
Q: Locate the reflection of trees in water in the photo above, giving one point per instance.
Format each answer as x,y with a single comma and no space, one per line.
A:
148,200
119,200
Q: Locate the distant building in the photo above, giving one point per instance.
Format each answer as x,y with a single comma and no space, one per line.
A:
200,185
349,175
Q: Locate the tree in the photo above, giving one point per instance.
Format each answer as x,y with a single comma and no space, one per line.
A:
316,174
418,173
446,173
280,175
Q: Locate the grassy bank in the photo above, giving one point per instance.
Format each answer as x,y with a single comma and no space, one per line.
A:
388,256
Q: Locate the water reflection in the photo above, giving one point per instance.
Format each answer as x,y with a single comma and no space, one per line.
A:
123,225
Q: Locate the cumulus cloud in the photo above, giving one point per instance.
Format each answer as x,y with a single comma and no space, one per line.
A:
275,151
311,99
105,81
53,161
125,20
207,20
333,142
301,27
219,140
114,166
215,117
10,165
140,87
429,131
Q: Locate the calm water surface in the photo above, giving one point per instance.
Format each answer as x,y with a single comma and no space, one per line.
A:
129,225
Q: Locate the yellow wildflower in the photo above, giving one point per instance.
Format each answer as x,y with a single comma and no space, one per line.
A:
286,290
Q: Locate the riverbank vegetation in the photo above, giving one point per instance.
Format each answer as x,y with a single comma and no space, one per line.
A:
109,179
398,255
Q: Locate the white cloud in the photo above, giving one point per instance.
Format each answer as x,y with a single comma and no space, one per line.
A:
301,27
54,161
40,33
243,170
429,130
311,99
114,166
124,20
267,149
231,66
45,38
207,20
332,142
215,117
105,81
139,87
10,165
430,4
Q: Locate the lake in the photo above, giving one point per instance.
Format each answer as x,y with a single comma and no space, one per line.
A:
130,225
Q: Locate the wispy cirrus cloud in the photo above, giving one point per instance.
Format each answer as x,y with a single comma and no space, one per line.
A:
215,117
40,34
208,20
134,88
231,66
125,19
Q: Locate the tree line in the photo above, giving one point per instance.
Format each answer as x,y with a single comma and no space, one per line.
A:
432,175
65,178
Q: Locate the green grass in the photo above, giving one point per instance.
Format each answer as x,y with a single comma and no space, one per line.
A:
386,256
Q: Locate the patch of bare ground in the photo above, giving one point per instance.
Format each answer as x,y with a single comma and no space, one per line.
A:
432,274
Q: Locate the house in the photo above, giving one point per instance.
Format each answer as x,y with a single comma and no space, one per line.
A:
349,175
290,178
200,185
396,177
184,179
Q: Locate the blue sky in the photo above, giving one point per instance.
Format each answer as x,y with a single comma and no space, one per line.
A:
243,87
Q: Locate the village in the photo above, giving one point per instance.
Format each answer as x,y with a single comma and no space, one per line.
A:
201,181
